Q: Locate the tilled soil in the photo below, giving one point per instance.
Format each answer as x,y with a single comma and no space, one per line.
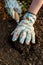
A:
15,53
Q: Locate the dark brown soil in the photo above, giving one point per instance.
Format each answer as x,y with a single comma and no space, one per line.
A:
15,53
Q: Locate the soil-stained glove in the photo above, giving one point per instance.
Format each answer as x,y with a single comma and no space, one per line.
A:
25,29
12,6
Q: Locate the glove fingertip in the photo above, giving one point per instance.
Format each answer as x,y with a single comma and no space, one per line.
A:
33,42
21,41
13,39
17,21
27,43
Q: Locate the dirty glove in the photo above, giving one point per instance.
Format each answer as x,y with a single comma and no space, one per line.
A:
25,29
12,6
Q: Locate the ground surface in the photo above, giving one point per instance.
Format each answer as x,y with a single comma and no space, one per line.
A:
18,54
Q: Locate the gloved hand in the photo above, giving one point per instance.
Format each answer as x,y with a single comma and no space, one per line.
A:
13,7
25,29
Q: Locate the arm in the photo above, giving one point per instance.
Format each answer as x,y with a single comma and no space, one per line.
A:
35,6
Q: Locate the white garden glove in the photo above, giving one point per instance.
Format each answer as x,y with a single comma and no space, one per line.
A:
25,29
12,6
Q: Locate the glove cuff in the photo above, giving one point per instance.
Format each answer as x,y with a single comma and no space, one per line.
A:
30,16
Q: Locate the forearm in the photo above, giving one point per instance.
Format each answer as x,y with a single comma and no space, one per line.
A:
35,6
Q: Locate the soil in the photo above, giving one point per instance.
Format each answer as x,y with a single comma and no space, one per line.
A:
15,53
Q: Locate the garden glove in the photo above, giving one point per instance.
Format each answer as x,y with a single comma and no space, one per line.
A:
13,7
25,29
